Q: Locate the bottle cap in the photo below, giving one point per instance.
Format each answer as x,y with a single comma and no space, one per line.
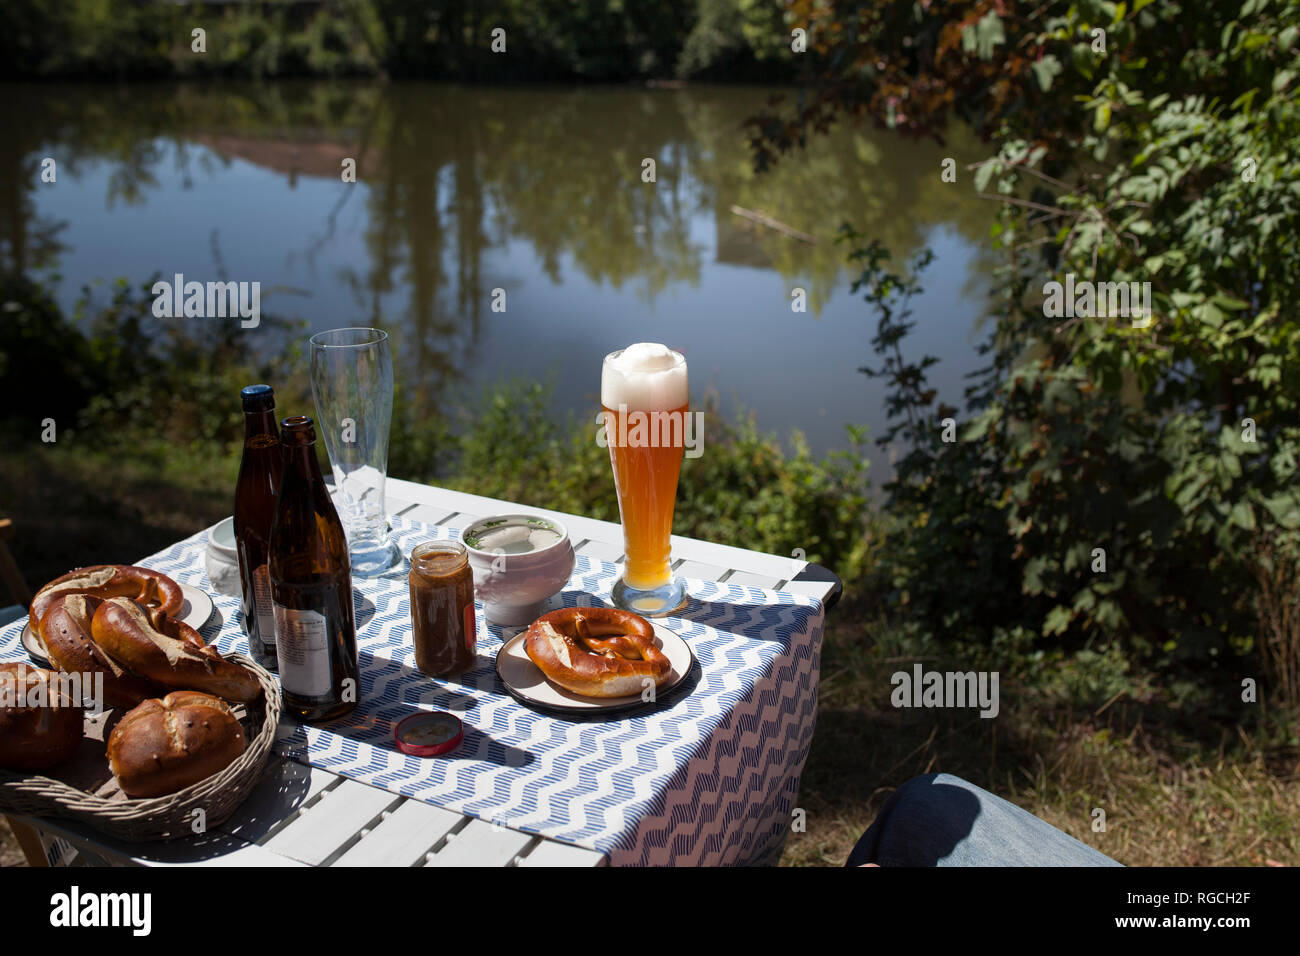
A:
429,733
258,398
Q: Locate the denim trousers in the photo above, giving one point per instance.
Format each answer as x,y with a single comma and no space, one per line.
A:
942,820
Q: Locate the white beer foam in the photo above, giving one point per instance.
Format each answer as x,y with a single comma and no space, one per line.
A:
646,376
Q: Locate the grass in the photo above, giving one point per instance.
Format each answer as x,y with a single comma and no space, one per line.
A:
1170,798
72,506
1205,796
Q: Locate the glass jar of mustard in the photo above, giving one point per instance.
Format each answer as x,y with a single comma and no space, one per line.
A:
442,608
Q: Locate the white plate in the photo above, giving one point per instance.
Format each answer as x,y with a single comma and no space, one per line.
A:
528,685
195,612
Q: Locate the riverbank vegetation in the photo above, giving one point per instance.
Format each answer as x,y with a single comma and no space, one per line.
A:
591,40
1118,479
1117,501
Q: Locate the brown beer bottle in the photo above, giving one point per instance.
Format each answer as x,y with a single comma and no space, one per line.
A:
311,587
259,478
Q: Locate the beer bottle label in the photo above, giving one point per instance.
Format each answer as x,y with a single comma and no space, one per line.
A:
264,609
302,651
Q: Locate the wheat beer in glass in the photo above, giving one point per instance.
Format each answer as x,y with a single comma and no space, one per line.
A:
645,401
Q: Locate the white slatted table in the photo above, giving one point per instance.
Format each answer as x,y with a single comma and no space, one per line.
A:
304,816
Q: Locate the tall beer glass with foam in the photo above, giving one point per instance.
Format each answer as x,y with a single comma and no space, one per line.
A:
645,402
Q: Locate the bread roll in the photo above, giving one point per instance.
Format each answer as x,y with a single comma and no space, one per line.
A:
163,746
40,724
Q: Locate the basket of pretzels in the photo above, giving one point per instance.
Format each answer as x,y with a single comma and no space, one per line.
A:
182,734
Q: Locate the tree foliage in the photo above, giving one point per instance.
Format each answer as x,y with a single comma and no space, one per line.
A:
447,39
1144,142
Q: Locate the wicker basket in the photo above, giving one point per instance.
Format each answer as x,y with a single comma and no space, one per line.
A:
159,818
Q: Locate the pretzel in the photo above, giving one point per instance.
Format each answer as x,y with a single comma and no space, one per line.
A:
155,592
169,652
597,652
71,648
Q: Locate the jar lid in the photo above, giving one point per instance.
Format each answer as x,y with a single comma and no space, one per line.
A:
429,733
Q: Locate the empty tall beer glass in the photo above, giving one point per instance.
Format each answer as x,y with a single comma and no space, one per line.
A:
645,402
352,382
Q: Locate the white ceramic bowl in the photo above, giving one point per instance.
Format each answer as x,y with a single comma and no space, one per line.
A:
514,587
221,560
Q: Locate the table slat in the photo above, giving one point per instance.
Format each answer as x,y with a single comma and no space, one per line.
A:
404,837
816,589
550,853
212,849
750,579
429,514
248,855
331,825
481,844
602,551
286,786
700,570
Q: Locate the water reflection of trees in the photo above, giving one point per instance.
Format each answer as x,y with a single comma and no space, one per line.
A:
454,174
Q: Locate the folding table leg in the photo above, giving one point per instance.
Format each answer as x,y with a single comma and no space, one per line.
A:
29,842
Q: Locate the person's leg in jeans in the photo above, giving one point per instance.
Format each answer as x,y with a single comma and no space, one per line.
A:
941,820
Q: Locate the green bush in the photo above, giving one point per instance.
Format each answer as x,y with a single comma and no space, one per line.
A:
1113,479
119,373
47,369
743,490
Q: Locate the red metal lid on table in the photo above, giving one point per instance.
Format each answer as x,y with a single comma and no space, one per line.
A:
429,733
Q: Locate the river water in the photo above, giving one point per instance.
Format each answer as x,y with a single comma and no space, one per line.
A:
529,199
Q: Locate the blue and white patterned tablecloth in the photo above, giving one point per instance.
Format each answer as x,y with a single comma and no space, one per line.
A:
706,776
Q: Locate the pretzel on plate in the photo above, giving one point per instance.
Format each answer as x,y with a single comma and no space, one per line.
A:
121,621
152,590
597,651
